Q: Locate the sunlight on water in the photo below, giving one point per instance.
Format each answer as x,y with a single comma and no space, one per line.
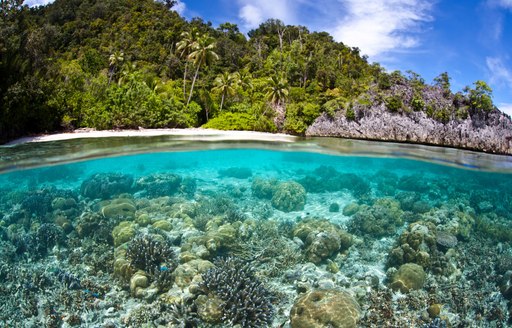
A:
148,236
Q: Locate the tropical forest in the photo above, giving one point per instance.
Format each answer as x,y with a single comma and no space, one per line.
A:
129,64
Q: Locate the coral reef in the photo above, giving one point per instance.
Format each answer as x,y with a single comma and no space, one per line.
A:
106,185
236,172
322,239
410,276
378,220
160,184
289,196
149,254
245,300
325,308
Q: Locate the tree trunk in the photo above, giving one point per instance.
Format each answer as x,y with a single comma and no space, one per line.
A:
193,83
185,81
222,101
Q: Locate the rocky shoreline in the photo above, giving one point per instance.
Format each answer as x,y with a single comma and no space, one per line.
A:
490,134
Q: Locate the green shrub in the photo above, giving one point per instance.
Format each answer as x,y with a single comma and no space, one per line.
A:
417,104
240,122
350,114
394,103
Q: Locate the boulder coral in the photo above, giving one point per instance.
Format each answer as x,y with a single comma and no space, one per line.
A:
410,276
322,239
325,308
381,219
289,196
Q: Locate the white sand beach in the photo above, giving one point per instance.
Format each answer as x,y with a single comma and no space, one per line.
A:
194,133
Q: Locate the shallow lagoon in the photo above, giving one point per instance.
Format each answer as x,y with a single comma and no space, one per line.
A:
187,231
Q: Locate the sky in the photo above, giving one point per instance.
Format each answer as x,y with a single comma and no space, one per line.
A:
469,39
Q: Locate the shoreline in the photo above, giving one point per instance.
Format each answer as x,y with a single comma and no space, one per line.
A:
196,133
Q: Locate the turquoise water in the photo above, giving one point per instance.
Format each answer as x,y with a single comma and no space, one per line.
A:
247,235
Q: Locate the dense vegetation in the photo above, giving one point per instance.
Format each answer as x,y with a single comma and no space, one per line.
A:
136,63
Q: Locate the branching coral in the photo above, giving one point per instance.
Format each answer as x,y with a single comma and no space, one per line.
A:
245,301
147,253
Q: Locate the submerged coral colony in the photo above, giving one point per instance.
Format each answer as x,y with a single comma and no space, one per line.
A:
318,248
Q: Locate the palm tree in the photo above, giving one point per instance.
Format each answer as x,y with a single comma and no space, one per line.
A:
202,55
277,90
115,60
185,47
244,78
225,83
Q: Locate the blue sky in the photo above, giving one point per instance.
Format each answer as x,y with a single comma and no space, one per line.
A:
469,39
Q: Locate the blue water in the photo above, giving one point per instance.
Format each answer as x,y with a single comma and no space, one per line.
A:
59,236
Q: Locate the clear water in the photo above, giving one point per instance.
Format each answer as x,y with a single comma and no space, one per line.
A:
296,217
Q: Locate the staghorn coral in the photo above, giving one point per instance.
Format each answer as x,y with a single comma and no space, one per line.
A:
147,253
245,301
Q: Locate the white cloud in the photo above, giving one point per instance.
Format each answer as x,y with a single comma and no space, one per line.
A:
254,12
251,15
505,108
380,26
503,3
33,3
500,73
179,7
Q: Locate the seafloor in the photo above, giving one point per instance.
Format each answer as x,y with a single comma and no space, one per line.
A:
254,238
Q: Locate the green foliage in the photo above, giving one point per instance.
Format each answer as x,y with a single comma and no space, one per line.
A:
299,116
350,114
394,104
480,98
417,104
240,122
129,64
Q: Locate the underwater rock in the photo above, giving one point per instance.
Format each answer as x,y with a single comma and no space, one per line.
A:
159,184
123,232
505,285
263,188
322,239
289,196
236,172
381,219
118,208
410,276
106,185
325,308
334,208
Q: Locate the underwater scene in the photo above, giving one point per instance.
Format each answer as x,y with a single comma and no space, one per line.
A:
254,237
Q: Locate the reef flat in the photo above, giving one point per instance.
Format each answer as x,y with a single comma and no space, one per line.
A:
255,238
